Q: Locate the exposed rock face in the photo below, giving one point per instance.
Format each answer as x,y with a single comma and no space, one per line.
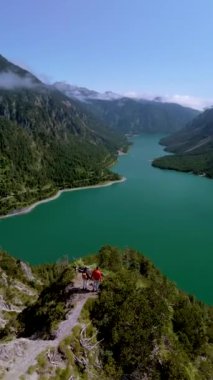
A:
3,278
27,271
5,306
2,322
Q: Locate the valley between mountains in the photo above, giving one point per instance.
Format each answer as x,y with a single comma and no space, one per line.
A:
140,326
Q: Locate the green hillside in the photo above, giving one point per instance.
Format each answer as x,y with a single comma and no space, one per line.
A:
192,147
48,142
142,326
132,116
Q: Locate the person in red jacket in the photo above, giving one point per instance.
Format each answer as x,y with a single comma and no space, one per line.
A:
97,277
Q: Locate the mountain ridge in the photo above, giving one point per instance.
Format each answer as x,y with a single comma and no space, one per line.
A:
131,116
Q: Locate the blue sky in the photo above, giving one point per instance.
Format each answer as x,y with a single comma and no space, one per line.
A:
151,47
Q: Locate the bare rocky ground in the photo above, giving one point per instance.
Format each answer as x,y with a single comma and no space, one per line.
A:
18,355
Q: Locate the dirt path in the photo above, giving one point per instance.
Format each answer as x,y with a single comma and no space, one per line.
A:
17,356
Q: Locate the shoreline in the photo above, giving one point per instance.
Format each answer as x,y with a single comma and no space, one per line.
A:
188,171
28,209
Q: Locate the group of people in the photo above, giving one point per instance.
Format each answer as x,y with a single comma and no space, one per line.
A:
96,276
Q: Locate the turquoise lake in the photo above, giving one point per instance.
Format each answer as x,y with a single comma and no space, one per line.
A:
165,214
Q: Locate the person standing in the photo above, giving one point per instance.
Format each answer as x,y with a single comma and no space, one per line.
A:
85,278
97,277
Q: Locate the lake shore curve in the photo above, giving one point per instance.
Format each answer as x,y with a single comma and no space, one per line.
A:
28,209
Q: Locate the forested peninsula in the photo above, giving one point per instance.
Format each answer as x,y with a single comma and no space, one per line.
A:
192,147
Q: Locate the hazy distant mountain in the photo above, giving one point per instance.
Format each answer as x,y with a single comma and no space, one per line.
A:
133,116
84,94
129,115
193,147
47,140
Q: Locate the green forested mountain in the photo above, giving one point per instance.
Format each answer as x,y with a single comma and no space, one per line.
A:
192,147
132,116
47,141
150,329
136,116
141,325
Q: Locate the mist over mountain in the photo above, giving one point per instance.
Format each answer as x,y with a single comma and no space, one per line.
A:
13,76
129,115
84,94
10,80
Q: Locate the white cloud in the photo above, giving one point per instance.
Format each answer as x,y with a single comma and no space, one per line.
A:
84,94
190,101
45,78
10,80
184,100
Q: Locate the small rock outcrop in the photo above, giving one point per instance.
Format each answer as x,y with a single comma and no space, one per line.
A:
27,271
